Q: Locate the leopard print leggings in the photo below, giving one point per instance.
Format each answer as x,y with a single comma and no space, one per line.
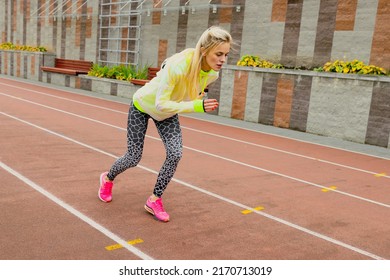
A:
170,133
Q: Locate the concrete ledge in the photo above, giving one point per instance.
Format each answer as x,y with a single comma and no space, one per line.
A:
347,106
310,73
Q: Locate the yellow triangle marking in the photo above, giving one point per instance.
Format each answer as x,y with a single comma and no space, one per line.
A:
331,188
248,211
380,174
118,246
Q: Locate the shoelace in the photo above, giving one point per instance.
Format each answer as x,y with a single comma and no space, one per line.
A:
107,187
159,205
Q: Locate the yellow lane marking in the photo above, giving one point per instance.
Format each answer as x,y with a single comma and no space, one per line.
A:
247,211
118,246
331,188
380,174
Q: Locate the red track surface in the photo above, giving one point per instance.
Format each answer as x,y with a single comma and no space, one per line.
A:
317,202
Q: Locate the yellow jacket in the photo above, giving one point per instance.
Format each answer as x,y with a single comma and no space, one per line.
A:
167,93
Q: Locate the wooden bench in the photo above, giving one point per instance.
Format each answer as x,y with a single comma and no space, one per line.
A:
69,67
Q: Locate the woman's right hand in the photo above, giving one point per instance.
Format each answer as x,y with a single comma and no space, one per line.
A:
210,105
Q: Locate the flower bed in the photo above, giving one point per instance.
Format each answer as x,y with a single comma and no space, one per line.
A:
337,66
11,46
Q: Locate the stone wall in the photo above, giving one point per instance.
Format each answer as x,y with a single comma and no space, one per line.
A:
346,106
25,64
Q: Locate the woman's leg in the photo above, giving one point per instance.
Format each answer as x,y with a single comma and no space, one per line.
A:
136,131
170,133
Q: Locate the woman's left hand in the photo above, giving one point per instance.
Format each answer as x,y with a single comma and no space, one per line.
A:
210,105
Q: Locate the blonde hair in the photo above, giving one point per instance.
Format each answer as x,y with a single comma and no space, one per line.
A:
211,38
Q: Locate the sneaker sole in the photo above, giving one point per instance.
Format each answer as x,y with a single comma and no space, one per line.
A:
150,210
101,182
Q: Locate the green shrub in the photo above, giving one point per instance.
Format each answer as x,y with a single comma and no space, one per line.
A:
119,72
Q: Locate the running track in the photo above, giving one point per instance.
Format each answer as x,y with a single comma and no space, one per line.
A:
237,194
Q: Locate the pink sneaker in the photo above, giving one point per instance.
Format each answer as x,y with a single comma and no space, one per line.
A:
105,190
156,208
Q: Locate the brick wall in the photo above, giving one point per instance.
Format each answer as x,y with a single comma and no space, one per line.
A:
294,32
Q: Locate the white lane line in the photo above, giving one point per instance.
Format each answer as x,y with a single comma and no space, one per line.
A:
291,138
292,178
67,99
243,206
229,138
76,213
287,152
209,154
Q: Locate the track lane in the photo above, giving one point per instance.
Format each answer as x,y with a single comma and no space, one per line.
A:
50,165
35,115
317,169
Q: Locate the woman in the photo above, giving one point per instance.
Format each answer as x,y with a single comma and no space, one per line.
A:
178,88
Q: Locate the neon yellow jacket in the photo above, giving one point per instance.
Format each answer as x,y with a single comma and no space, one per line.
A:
167,93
